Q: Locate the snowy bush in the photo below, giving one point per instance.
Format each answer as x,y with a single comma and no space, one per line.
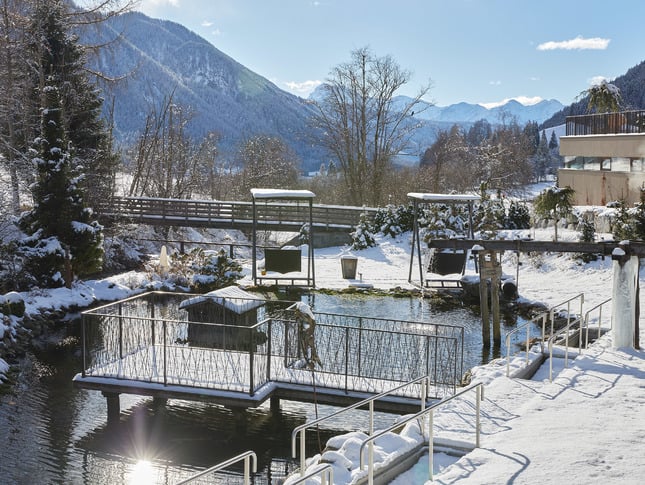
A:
393,220
213,270
518,216
443,221
362,236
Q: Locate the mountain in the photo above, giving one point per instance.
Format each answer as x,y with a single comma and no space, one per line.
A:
162,57
156,59
631,89
469,113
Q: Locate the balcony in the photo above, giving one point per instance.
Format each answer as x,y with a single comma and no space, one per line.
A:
623,122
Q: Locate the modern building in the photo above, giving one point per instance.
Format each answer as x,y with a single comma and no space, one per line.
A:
604,157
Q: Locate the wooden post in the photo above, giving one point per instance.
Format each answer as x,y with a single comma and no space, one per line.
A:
494,295
483,300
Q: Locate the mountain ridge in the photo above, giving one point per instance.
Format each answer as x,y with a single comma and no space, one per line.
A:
229,99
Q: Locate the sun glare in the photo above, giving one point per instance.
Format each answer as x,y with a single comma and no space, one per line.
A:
142,473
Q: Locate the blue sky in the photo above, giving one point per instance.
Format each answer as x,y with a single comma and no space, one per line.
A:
477,51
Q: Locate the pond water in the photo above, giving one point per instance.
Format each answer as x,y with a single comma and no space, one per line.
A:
53,433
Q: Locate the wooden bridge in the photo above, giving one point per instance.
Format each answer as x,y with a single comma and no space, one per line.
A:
272,216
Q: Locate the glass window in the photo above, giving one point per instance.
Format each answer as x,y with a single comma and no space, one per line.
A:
605,164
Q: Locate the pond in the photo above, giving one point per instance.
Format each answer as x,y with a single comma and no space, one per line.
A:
54,433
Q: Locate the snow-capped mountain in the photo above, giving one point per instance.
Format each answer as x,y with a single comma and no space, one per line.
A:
469,113
160,58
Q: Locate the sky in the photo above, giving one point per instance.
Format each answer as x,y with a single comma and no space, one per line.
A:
475,51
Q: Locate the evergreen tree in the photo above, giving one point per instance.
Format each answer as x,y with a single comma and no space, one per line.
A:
62,239
362,236
60,59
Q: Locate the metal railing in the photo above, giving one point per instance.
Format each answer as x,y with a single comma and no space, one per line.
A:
300,431
249,458
479,388
326,473
550,315
583,327
599,308
566,331
165,338
606,123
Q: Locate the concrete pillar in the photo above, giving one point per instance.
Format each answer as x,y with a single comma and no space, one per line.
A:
625,307
274,404
113,406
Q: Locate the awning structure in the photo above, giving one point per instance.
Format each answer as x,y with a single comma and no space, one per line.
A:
289,196
421,198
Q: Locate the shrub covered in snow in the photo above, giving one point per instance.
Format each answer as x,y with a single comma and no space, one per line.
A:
362,236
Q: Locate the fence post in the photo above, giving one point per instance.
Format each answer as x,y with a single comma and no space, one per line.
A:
251,359
347,359
83,343
165,355
269,349
120,332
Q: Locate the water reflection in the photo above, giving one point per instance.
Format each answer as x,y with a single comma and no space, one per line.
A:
54,433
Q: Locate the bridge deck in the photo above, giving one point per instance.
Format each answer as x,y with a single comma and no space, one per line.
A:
231,214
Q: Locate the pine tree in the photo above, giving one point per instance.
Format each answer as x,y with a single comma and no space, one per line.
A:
362,236
62,240
60,59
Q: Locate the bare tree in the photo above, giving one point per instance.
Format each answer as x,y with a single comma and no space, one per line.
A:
361,126
166,161
267,162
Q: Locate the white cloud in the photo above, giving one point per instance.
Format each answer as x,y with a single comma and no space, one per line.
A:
302,89
495,83
525,100
216,32
579,43
207,23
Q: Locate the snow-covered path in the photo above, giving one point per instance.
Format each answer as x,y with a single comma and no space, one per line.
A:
587,426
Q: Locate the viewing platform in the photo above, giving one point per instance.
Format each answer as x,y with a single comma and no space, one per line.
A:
237,350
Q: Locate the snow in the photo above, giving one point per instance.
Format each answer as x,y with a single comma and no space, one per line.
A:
586,426
281,194
427,197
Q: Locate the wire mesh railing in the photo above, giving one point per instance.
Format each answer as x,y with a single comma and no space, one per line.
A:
242,344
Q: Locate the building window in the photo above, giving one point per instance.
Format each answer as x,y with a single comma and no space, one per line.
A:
605,164
637,165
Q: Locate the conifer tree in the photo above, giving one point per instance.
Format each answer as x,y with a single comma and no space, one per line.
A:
60,59
62,239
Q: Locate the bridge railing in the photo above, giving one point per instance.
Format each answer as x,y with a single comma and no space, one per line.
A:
212,212
158,338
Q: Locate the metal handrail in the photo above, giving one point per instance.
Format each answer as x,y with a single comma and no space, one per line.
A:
583,324
526,326
586,321
246,456
325,471
369,401
564,330
479,387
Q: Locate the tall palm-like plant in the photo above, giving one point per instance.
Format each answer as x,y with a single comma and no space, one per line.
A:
604,97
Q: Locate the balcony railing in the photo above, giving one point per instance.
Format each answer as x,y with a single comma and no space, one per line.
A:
606,123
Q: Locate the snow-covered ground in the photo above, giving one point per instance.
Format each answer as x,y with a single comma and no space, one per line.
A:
587,426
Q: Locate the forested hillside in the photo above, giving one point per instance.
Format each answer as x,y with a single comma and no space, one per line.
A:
631,87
